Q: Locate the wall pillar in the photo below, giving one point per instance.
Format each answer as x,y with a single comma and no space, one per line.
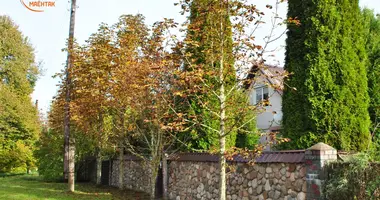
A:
315,158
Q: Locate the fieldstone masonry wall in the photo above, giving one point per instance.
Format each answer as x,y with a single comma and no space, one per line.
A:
292,175
136,175
199,180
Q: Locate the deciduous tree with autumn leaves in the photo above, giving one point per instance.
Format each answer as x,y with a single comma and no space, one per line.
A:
141,89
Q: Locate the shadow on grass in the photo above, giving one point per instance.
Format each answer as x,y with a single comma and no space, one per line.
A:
33,188
30,177
3,175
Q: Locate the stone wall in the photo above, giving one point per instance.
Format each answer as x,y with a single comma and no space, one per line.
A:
281,175
199,180
136,175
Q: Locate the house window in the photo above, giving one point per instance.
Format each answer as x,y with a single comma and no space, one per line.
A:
262,94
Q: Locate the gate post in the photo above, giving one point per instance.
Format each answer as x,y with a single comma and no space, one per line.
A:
315,159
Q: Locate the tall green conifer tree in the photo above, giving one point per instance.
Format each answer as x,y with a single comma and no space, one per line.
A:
373,73
327,99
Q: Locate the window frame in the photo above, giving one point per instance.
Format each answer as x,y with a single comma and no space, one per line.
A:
261,94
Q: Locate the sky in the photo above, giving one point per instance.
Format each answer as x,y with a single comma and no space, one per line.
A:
47,31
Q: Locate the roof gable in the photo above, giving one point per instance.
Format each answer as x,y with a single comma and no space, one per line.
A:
273,74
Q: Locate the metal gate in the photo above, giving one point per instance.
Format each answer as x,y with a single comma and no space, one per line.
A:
159,184
105,172
86,170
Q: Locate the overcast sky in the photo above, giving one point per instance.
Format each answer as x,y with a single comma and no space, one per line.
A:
48,30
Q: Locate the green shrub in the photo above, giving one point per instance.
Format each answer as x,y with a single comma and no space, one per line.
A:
357,178
50,155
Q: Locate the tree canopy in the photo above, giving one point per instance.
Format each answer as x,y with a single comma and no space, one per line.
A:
202,46
373,73
19,118
327,95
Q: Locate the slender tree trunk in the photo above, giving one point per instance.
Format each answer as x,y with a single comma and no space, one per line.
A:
121,167
165,175
222,136
153,177
222,167
27,168
69,164
222,143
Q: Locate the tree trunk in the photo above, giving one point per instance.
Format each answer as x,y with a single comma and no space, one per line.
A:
71,166
27,168
98,169
153,177
165,175
222,148
222,168
121,167
222,136
68,161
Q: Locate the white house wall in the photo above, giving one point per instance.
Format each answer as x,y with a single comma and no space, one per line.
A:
270,116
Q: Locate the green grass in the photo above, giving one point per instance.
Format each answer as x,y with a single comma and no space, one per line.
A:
32,187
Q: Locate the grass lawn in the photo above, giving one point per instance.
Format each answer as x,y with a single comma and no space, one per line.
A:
31,187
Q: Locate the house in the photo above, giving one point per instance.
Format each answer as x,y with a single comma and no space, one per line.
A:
265,88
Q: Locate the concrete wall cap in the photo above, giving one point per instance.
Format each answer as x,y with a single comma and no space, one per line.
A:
321,147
